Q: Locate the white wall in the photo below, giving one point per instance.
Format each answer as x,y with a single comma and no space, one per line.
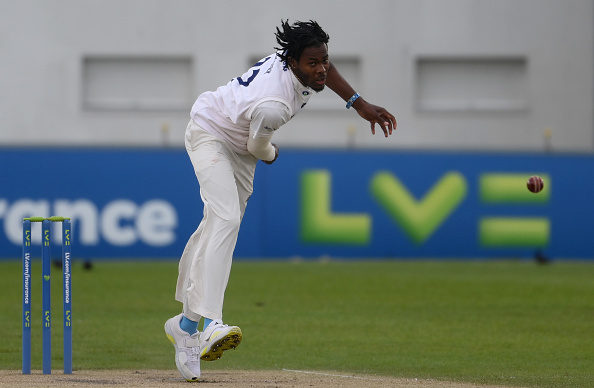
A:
45,46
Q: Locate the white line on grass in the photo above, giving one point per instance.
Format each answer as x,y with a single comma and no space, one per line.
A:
331,375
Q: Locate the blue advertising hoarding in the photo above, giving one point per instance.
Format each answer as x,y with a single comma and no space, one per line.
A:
145,203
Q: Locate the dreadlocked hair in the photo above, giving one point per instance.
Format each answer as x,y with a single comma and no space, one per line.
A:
294,39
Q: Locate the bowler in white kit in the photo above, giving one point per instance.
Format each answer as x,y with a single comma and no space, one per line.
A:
229,131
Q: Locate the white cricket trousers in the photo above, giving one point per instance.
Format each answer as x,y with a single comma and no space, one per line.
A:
226,183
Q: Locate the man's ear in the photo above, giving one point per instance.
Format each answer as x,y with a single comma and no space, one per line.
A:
292,62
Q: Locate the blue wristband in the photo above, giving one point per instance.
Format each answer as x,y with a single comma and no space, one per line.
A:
352,100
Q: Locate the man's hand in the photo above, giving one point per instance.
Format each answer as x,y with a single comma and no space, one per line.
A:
375,115
275,155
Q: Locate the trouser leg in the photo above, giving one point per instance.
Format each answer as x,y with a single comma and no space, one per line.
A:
226,182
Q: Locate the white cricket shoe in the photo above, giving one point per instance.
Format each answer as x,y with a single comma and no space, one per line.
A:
187,349
217,338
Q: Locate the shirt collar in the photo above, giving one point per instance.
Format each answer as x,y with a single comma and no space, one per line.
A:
304,92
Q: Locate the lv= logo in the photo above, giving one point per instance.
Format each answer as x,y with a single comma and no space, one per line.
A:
421,218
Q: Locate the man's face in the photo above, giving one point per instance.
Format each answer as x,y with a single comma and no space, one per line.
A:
312,67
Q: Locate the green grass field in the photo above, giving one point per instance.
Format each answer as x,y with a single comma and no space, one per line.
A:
500,322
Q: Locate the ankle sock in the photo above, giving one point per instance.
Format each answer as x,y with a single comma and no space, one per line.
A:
188,325
207,322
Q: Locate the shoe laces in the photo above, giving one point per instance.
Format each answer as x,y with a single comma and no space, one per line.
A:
193,350
193,354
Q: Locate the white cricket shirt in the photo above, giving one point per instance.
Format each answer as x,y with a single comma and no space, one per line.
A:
228,112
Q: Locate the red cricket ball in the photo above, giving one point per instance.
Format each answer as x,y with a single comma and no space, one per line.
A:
535,184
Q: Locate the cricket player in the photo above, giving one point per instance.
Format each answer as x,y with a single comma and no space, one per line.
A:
229,131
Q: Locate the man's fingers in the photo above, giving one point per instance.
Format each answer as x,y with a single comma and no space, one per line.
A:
393,122
381,117
385,126
386,129
389,120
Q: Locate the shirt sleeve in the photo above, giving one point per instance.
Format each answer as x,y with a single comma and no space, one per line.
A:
266,118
